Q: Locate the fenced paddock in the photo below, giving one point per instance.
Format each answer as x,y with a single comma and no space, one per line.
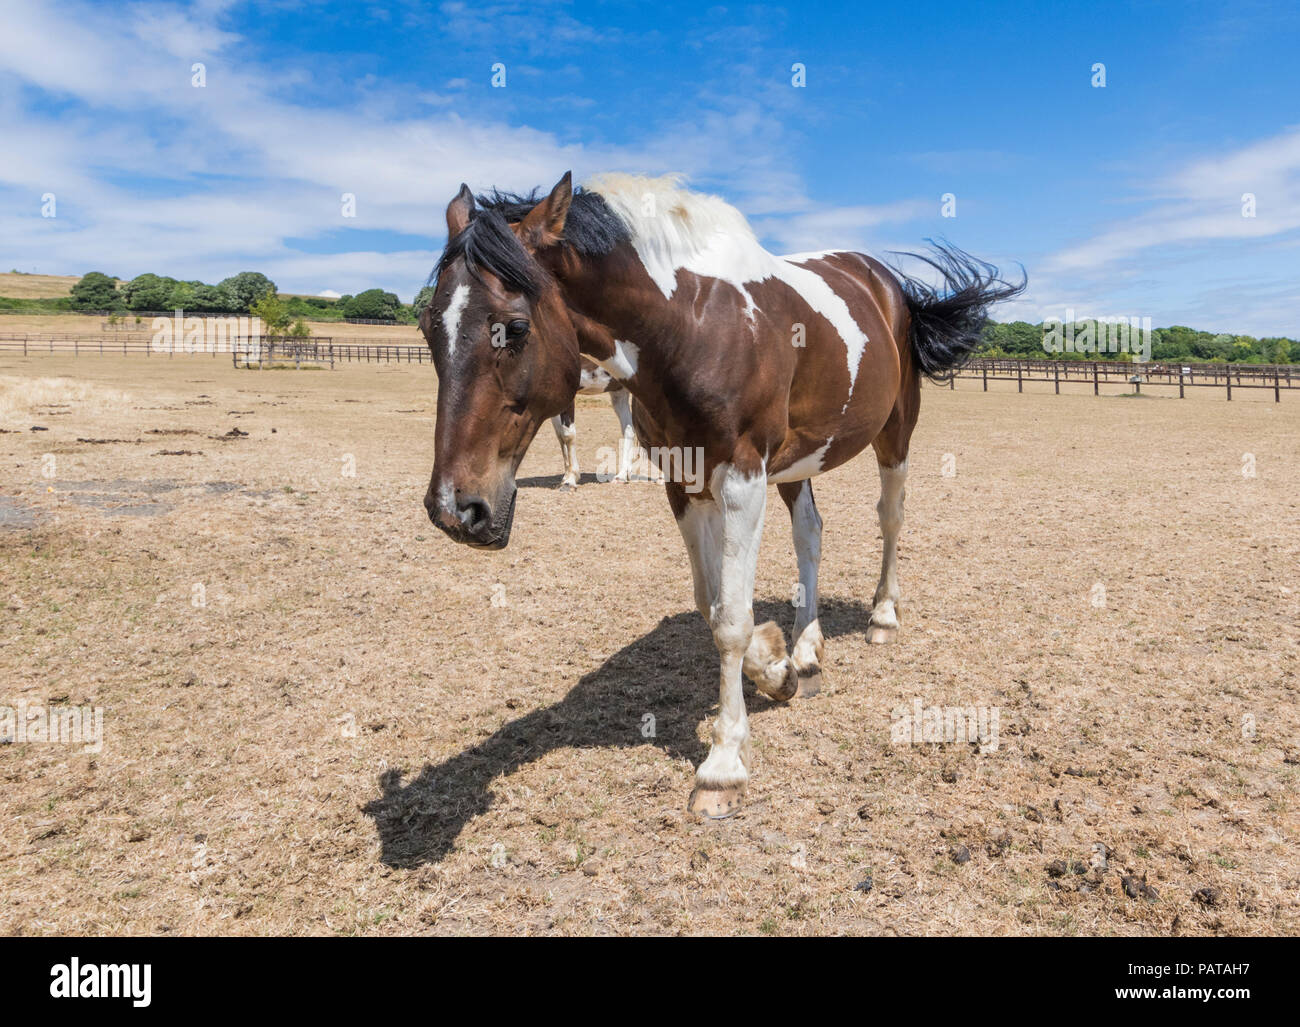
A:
1101,376
320,716
1155,378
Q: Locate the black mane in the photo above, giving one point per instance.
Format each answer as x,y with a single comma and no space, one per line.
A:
487,244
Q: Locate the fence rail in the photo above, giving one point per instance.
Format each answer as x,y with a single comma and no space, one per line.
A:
334,350
1186,376
323,349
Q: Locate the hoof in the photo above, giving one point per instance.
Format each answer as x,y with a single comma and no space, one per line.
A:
879,635
810,682
567,486
715,803
787,689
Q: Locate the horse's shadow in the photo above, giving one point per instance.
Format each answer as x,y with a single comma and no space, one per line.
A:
669,673
552,481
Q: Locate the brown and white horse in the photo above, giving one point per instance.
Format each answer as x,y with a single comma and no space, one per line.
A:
594,380
769,369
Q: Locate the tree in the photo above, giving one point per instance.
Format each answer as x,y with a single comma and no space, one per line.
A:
180,297
148,292
1276,350
422,299
246,288
211,299
272,312
96,291
373,305
300,330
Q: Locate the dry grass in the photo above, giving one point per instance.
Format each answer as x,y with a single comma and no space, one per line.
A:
26,398
93,327
19,286
350,737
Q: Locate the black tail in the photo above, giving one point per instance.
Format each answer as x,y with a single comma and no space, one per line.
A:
947,320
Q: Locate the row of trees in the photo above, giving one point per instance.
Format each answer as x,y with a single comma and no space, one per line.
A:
234,295
240,293
1021,339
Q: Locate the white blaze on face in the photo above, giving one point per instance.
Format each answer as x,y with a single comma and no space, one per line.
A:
451,316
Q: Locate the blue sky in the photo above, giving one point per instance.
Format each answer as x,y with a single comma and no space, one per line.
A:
1122,200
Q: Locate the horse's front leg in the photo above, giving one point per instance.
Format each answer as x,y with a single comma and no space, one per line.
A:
567,432
722,535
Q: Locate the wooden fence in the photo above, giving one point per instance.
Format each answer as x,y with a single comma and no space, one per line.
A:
322,350
331,351
1185,376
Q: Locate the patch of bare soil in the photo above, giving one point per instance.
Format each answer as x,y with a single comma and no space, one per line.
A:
321,716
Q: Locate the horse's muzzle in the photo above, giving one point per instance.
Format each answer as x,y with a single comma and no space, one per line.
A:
471,520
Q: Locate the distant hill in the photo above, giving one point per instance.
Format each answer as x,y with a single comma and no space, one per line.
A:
36,287
19,286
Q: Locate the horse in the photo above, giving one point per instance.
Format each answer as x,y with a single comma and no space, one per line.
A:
594,380
759,369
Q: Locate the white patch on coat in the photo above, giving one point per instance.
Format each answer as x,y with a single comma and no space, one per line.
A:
622,365
803,258
708,237
593,382
451,316
804,467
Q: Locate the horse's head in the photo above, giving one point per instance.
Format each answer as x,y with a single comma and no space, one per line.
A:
507,360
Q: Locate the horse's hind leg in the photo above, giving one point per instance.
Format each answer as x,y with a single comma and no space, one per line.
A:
622,401
567,432
807,525
891,447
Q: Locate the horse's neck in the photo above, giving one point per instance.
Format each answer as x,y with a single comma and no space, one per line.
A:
608,304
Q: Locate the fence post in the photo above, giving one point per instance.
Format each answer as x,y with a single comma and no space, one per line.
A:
986,377
1020,376
1180,383
1056,371
1277,387
1096,380
1228,380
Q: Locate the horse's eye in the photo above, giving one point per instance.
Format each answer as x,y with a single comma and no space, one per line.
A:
517,329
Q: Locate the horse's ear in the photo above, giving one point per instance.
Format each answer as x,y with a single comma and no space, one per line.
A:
545,222
459,211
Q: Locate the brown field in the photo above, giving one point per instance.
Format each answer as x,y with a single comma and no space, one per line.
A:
19,286
322,717
93,327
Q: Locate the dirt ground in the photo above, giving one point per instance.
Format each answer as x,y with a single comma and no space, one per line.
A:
91,327
321,716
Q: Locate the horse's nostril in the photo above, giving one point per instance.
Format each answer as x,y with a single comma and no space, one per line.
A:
474,513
